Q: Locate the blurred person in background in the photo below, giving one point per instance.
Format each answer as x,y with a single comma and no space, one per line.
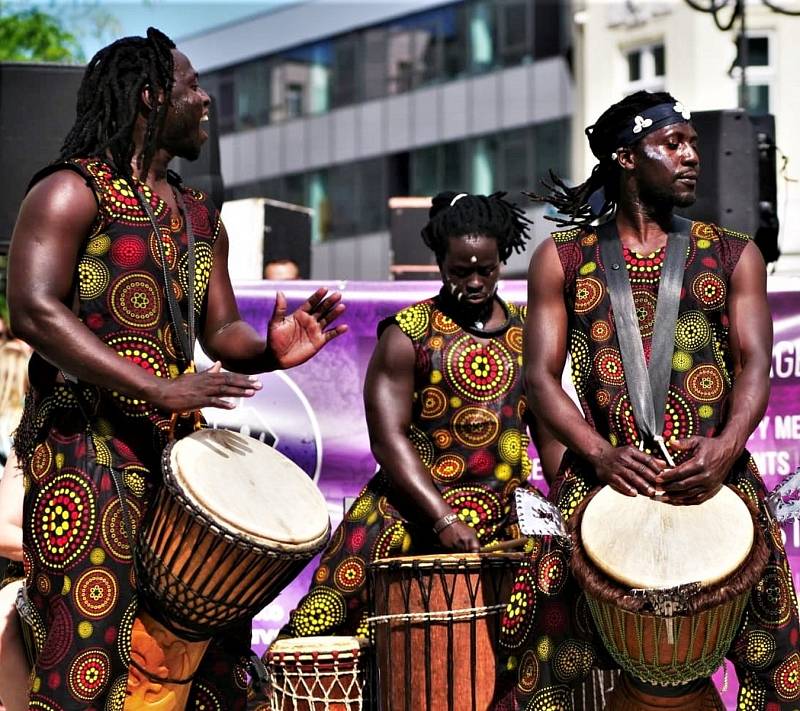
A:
281,270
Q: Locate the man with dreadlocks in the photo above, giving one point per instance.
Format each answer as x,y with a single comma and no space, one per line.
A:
715,385
112,262
450,439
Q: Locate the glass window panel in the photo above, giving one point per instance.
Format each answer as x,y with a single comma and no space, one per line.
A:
513,29
515,161
548,27
226,105
482,35
635,65
400,60
758,51
757,98
659,62
483,165
425,171
317,199
453,169
342,187
371,196
346,71
252,95
551,149
375,63
455,45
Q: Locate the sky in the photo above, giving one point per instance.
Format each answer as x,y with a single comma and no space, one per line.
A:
98,22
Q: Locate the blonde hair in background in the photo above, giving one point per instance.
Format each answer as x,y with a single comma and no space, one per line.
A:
14,357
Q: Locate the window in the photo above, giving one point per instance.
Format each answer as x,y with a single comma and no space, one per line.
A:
482,37
294,100
550,150
514,24
646,68
760,73
346,77
252,94
549,28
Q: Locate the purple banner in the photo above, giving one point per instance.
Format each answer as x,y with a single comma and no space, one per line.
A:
314,414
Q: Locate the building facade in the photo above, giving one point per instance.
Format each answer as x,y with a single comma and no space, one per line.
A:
341,105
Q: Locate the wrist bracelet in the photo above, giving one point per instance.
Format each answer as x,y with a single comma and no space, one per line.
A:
444,522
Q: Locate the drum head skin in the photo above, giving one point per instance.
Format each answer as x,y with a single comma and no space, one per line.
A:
306,647
250,489
646,544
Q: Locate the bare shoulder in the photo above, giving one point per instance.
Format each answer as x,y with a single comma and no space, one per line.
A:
395,349
63,194
750,273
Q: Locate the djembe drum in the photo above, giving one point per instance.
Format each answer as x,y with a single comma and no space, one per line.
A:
666,586
234,522
435,622
317,674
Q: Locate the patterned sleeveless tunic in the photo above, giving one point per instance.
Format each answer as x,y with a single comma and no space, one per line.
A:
468,429
77,555
554,658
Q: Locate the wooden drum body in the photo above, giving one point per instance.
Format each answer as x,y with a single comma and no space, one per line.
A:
317,674
666,585
234,522
436,622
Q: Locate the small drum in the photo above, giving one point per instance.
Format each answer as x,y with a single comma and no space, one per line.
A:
436,622
234,522
317,674
666,585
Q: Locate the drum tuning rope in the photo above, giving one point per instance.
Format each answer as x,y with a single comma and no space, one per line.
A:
469,613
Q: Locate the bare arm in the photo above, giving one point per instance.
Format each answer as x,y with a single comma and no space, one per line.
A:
750,337
625,468
11,495
291,340
549,449
53,222
388,396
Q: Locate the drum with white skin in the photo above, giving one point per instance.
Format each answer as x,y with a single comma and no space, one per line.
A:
667,585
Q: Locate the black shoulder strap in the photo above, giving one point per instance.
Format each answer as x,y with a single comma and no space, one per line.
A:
647,386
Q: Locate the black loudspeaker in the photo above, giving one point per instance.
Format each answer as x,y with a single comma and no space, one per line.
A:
737,186
37,110
411,258
204,173
287,234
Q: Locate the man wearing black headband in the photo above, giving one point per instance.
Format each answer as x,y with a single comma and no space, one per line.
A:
715,376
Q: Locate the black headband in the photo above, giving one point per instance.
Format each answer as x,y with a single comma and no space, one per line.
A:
651,120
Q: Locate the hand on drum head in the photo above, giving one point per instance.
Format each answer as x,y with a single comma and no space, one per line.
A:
459,537
700,477
628,470
193,391
293,339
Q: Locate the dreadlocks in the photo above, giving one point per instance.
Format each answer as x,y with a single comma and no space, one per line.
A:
574,201
475,214
108,100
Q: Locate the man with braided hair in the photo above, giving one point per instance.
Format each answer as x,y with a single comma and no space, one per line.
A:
451,441
112,261
649,165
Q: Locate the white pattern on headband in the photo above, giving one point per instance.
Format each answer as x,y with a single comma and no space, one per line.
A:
457,198
640,123
682,110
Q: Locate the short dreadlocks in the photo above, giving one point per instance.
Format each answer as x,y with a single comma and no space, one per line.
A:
490,215
109,95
